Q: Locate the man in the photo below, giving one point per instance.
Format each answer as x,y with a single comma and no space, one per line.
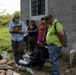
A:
16,29
54,42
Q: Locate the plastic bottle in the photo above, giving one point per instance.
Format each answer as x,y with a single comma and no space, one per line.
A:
30,71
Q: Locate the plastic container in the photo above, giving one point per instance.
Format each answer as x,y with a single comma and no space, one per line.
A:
30,71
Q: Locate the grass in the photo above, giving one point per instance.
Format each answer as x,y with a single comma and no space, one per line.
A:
5,45
5,42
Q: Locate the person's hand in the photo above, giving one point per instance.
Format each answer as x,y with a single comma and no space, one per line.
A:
30,31
13,31
38,42
27,56
20,31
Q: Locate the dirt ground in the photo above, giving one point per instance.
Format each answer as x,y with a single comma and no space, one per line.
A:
65,68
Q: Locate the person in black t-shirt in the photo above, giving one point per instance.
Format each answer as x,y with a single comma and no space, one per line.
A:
32,31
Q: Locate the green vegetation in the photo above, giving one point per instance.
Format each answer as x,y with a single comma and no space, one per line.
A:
5,18
5,42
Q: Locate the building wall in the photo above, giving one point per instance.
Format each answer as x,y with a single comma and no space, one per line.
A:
63,10
25,10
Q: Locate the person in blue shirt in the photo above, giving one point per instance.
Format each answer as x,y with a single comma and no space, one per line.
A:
17,29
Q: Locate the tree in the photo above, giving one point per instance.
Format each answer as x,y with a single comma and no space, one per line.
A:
4,12
5,18
17,12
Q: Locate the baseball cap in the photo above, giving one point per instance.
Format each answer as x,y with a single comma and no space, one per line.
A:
17,16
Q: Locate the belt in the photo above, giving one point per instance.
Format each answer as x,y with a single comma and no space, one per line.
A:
52,44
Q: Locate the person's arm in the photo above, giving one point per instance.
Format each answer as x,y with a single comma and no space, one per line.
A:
11,29
61,36
35,53
23,29
60,31
28,30
44,32
36,29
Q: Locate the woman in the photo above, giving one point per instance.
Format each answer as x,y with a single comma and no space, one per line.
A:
32,31
42,32
16,29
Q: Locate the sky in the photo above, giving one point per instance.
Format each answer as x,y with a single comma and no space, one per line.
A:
10,5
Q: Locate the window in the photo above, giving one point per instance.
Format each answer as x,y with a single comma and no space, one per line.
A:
37,7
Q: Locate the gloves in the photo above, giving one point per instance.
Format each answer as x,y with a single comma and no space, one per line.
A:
26,56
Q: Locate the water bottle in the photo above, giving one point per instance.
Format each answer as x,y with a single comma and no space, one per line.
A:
30,71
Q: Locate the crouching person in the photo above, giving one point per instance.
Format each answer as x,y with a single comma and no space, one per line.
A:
37,56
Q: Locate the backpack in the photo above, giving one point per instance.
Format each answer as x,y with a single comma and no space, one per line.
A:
65,35
45,51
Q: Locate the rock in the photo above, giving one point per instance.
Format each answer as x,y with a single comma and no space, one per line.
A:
22,68
69,72
7,57
16,73
3,61
16,65
4,67
3,71
10,72
13,68
10,63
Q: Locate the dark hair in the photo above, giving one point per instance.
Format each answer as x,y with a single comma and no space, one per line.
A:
48,17
27,21
13,20
32,43
42,18
33,21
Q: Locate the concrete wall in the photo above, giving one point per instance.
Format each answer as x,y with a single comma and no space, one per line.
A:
25,10
63,10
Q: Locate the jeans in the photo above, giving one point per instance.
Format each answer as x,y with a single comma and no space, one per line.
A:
54,53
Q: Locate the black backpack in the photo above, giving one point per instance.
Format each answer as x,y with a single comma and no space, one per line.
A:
65,35
45,51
